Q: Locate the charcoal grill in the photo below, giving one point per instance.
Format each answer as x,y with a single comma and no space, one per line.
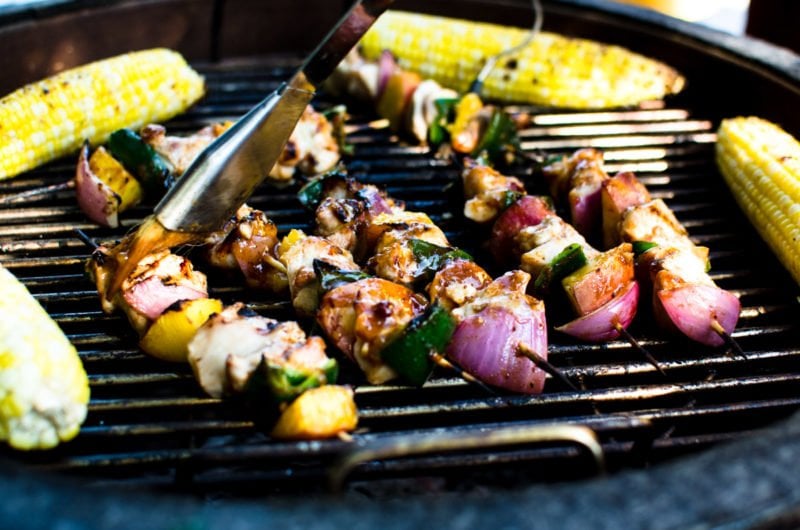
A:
671,446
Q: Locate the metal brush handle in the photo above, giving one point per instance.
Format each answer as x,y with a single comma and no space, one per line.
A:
227,172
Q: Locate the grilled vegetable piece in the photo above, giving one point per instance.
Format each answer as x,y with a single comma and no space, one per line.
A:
44,389
318,413
552,70
604,323
409,354
142,160
761,164
104,187
52,118
168,336
495,328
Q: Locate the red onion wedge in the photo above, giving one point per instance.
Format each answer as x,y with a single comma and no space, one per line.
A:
603,323
152,296
585,207
693,309
95,198
486,345
386,67
529,210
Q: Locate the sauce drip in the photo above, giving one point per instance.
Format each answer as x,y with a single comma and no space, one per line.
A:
150,237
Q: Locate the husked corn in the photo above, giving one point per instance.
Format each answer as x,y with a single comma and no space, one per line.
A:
51,118
761,164
552,70
44,389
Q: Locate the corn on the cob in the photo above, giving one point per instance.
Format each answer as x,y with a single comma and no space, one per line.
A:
43,386
761,164
51,118
552,70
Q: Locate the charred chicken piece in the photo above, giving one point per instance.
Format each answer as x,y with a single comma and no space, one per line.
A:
248,242
362,317
312,148
232,346
298,252
180,151
456,283
488,193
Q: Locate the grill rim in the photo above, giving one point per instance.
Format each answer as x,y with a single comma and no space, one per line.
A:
766,460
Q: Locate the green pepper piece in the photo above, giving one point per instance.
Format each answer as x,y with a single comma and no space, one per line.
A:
310,195
500,135
337,115
565,263
330,277
287,382
409,354
640,247
437,132
276,382
142,160
430,258
315,190
509,198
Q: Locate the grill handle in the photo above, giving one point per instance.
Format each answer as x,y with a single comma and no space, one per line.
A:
405,446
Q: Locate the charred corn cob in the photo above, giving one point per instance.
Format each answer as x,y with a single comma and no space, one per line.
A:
43,386
552,70
761,164
51,118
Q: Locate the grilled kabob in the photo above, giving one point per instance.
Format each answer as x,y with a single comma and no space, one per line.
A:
490,328
131,165
232,350
685,298
428,112
600,286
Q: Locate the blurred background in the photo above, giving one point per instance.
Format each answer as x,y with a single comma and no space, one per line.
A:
765,19
726,15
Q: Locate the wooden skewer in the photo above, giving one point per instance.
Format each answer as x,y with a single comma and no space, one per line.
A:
638,347
437,358
84,237
43,190
730,341
544,364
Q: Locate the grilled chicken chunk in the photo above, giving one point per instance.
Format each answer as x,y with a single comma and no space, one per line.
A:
312,148
486,191
299,260
458,282
541,243
393,257
180,151
250,245
230,346
362,317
